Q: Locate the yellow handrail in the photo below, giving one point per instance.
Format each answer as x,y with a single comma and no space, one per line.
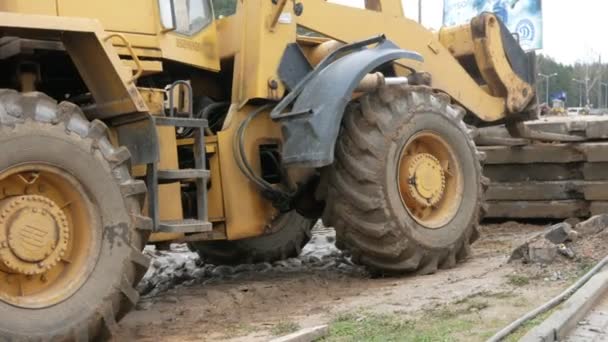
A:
140,69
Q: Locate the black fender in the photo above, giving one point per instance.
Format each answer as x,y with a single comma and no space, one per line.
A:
311,129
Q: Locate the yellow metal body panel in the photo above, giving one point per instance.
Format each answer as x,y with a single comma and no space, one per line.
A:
46,7
200,50
260,52
247,212
136,16
216,191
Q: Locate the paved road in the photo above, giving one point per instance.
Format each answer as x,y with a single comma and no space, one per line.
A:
594,327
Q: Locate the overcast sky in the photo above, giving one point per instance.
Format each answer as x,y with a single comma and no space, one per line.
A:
573,30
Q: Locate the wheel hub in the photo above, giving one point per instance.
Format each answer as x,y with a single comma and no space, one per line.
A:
426,179
34,234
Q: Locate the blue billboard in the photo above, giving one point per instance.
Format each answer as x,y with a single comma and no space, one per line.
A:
523,17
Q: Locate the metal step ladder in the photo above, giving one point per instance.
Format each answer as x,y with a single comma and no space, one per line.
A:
199,174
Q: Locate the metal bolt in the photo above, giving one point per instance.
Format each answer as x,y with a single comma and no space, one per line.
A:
298,9
273,84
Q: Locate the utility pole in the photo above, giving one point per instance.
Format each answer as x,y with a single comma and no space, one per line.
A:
547,78
420,12
580,92
604,99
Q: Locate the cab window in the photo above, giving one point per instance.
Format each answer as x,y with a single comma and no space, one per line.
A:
187,17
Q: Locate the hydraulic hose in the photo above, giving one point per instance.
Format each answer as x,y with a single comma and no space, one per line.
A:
499,336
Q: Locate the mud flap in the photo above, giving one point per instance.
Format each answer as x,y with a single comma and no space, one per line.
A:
310,130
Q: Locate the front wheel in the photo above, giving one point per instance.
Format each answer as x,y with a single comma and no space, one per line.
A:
70,250
404,193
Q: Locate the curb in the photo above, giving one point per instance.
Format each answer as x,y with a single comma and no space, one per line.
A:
305,335
562,321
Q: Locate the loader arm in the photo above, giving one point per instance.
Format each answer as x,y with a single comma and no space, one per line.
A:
506,92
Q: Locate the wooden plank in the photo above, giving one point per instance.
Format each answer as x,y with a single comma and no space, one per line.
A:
546,191
599,207
537,209
594,152
546,153
535,191
540,153
534,172
595,171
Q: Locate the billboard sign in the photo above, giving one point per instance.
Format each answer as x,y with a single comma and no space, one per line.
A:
523,17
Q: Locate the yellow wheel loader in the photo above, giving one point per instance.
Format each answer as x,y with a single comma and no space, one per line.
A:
152,121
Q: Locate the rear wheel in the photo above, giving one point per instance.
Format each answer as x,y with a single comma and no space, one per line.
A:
69,212
405,191
291,234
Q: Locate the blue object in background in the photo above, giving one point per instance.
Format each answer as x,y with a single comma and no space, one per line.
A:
560,95
523,17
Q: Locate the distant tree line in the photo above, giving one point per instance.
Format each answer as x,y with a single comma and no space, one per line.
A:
596,74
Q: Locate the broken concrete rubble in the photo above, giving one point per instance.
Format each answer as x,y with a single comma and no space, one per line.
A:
543,248
593,225
560,233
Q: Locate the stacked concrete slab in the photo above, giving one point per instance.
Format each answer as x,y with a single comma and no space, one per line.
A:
547,180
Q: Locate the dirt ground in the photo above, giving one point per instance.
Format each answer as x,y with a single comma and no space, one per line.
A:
197,302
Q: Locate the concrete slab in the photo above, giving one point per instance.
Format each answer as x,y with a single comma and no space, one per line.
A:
538,209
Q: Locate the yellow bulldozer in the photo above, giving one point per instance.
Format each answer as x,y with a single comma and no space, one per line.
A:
153,121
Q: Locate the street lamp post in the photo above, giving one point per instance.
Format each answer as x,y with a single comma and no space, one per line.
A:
603,100
580,94
547,78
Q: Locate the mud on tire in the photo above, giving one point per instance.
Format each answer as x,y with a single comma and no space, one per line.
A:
34,128
292,233
362,198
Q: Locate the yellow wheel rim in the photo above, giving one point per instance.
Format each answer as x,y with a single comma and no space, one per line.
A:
430,180
46,235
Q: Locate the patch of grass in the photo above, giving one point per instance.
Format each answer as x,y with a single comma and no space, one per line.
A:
584,265
519,333
284,328
392,327
518,280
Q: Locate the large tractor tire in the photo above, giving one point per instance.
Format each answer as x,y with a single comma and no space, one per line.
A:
405,192
291,234
71,233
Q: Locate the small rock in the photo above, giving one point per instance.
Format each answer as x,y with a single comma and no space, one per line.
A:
542,251
170,299
566,251
281,263
558,233
294,262
593,225
143,305
262,267
520,253
222,270
243,268
199,273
